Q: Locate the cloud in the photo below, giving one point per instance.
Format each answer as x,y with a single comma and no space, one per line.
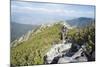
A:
41,10
50,9
29,12
28,9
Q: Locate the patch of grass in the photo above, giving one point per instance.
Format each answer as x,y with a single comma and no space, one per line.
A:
32,51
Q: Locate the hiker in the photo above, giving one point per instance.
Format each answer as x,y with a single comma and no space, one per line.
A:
45,59
63,33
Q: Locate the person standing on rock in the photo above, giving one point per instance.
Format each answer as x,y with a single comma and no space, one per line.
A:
64,31
45,59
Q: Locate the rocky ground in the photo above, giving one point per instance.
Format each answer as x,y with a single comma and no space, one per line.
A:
62,53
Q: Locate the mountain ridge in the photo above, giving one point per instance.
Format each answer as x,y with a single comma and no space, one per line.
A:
80,22
31,48
17,29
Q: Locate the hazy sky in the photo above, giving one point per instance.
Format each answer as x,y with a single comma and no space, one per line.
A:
39,13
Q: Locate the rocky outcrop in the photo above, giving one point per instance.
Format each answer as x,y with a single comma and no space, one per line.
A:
61,53
56,51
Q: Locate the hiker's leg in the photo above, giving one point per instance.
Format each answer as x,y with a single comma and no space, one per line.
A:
63,38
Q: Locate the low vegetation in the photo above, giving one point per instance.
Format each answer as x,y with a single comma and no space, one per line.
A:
32,51
84,35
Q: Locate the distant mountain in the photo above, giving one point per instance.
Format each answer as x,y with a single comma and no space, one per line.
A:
80,22
17,29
